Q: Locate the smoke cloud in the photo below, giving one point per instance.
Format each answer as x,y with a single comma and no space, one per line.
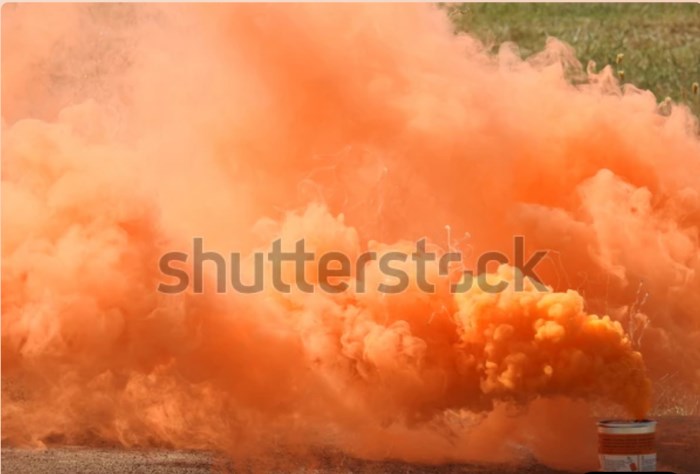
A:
128,130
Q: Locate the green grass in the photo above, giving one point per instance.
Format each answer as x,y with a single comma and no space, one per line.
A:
660,42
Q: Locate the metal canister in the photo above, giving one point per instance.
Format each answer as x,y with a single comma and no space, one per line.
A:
627,445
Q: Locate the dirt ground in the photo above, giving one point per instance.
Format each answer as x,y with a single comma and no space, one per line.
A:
678,450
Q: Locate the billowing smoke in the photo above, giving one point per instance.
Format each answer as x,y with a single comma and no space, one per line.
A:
129,130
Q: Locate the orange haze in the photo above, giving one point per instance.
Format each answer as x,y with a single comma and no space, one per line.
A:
128,130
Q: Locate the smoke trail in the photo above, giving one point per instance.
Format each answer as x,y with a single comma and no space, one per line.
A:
128,130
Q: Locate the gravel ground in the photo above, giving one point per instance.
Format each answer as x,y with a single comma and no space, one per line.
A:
677,447
79,460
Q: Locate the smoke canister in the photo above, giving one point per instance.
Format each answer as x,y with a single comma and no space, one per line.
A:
627,446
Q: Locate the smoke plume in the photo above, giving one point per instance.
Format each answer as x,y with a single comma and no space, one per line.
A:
128,130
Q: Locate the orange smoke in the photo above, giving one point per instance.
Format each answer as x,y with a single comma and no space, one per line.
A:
128,130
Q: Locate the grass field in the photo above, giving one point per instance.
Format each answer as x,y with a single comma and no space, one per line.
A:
660,43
